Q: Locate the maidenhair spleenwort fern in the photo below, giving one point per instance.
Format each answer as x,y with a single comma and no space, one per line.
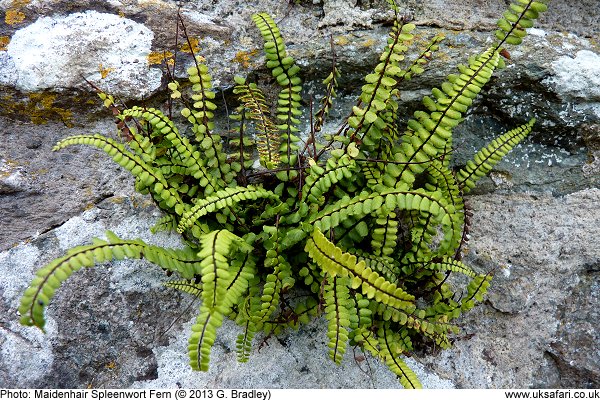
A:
365,229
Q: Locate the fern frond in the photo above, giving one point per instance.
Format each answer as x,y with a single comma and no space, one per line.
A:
486,158
202,113
449,264
517,19
276,281
320,179
202,338
417,65
476,290
366,121
336,262
428,135
285,71
338,311
186,286
384,236
268,141
221,199
216,248
49,278
327,100
390,351
417,200
144,173
243,343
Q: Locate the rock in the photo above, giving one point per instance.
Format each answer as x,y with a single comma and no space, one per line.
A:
535,328
577,77
63,51
41,189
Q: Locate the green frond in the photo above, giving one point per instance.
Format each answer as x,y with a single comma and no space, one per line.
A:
429,133
227,197
416,200
486,158
320,180
339,308
384,236
202,112
366,121
223,286
417,66
187,154
216,248
476,290
330,93
519,16
280,279
144,173
336,262
285,71
391,349
49,278
449,264
202,338
186,286
243,343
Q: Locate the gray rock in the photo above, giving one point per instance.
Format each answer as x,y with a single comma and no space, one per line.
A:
536,328
41,189
62,51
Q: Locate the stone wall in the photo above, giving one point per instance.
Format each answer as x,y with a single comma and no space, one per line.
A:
537,215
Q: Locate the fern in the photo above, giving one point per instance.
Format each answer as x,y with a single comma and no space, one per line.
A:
367,230
49,278
486,158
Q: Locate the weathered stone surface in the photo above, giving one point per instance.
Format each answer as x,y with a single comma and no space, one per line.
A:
536,328
41,189
63,51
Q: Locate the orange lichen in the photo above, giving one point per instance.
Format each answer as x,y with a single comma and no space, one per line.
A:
341,40
4,41
191,46
104,71
368,43
41,108
243,57
14,17
156,57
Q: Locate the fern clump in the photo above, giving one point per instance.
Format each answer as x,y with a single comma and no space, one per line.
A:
365,230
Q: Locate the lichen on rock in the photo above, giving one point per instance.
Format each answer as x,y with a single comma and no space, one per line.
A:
59,52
